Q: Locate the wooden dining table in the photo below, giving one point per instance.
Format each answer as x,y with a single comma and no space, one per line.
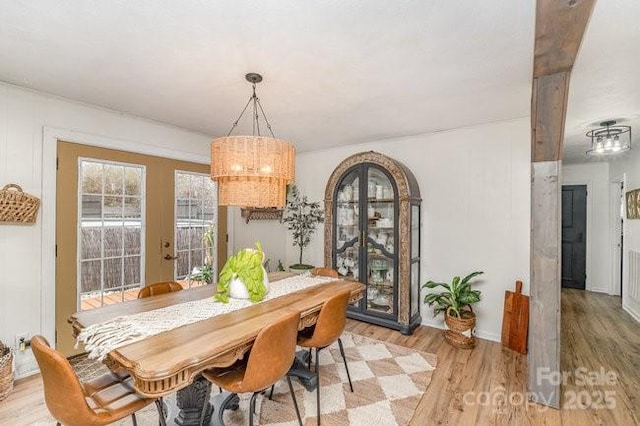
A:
173,360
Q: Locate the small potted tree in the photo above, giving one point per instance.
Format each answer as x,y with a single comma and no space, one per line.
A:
302,219
455,302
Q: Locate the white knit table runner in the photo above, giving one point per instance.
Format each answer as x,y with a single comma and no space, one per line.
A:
100,339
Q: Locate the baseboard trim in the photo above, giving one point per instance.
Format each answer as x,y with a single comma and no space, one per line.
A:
628,310
481,334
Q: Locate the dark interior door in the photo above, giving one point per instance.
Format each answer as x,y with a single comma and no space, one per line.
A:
574,236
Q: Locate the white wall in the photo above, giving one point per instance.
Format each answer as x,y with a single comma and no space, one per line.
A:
270,233
596,177
629,165
475,186
24,117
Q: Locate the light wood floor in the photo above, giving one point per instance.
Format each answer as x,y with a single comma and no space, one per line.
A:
484,386
111,298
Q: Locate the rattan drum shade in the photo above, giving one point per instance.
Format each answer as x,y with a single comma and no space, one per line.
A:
252,171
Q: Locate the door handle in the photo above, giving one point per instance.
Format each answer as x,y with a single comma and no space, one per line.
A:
169,257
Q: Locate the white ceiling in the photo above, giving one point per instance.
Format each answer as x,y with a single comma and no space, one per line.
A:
336,72
605,82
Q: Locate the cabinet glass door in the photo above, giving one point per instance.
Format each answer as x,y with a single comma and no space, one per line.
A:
380,243
348,226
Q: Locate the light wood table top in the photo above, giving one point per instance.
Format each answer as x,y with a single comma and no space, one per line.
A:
169,361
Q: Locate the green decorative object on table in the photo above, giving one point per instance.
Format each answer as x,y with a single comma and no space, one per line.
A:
244,268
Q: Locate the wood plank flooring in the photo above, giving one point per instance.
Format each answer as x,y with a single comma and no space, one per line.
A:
111,298
486,385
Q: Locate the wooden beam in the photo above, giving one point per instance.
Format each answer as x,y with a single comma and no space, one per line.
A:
560,26
544,292
548,112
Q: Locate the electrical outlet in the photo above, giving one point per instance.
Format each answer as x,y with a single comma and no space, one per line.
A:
19,337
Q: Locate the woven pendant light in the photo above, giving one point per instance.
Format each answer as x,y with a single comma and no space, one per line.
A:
252,171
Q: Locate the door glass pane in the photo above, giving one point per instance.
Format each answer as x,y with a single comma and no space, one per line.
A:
415,232
113,179
381,244
110,244
196,209
347,221
415,287
380,280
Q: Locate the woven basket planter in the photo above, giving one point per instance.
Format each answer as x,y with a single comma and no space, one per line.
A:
17,206
6,371
461,330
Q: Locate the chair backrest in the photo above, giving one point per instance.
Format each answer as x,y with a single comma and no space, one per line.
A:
325,272
63,392
272,353
331,320
159,288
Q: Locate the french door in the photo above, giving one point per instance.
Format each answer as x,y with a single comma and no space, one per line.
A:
124,220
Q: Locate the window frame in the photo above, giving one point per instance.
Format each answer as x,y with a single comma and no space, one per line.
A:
102,258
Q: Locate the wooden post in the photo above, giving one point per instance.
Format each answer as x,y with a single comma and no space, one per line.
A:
560,26
544,309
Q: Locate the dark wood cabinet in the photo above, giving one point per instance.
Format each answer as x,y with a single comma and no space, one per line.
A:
372,235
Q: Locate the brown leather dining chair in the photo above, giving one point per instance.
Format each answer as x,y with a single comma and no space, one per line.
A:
100,401
268,361
159,288
328,328
325,272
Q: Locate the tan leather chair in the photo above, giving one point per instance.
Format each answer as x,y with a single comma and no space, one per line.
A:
328,328
270,358
159,288
100,401
325,272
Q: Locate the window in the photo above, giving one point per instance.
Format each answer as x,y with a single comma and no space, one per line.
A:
196,224
111,230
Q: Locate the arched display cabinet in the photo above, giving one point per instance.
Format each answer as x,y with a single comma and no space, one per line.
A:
372,235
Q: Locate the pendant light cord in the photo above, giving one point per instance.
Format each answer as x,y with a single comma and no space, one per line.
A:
257,107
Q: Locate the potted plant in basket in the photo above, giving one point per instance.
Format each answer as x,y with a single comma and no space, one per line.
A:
455,302
302,219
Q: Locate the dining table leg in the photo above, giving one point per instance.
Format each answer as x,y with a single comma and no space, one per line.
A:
191,401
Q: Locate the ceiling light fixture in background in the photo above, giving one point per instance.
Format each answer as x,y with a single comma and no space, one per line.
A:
252,171
609,139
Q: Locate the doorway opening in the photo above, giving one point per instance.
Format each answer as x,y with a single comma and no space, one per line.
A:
124,220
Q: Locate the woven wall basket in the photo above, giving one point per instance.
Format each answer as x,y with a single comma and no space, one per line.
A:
6,371
17,206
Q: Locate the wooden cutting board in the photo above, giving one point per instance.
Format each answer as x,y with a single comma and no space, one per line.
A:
515,321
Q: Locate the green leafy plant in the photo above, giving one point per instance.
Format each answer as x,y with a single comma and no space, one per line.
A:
280,266
302,219
203,274
458,295
208,240
246,265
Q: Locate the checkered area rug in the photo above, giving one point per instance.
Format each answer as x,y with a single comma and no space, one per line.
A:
388,382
